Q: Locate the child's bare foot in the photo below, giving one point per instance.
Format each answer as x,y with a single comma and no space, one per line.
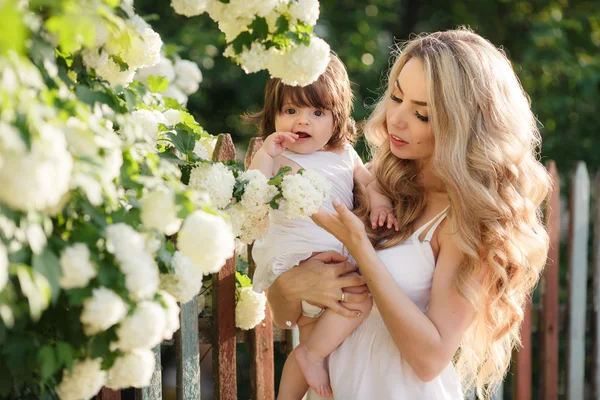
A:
314,369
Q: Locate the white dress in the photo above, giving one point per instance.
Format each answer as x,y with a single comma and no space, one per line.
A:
290,241
368,365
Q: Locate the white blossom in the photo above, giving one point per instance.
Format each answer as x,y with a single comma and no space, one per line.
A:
175,93
254,59
250,308
173,117
3,266
215,179
300,65
186,279
163,68
159,211
144,329
144,50
104,309
77,269
303,194
111,72
189,8
171,315
206,240
147,120
305,10
257,191
36,180
247,226
187,76
134,369
85,379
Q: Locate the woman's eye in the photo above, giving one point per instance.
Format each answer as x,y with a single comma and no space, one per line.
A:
395,98
319,113
421,117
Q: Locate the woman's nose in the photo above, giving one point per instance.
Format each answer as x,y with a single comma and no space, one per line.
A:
397,117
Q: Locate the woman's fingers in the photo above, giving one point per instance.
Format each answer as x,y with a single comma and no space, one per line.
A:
349,281
331,257
350,298
338,308
344,268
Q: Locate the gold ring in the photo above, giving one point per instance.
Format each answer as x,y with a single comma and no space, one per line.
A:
343,297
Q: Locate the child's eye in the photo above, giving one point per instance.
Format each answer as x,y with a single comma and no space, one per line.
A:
319,113
289,111
395,98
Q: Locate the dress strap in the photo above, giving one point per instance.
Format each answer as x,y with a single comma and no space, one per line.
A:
433,223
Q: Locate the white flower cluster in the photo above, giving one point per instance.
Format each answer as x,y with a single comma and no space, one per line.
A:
101,311
216,180
295,64
77,269
131,41
159,211
185,280
248,226
250,308
257,192
85,379
134,369
184,77
303,194
136,263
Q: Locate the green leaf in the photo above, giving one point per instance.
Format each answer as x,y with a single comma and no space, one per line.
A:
238,189
283,25
78,295
260,28
64,354
131,99
278,178
110,276
242,280
47,361
158,84
13,32
244,39
47,264
274,203
90,96
183,141
167,155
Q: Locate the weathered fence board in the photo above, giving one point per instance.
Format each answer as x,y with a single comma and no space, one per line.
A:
107,394
549,293
188,352
596,300
154,391
577,281
223,287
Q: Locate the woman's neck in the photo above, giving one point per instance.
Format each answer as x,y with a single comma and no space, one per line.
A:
432,183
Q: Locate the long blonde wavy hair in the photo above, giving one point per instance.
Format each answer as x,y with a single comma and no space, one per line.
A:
486,153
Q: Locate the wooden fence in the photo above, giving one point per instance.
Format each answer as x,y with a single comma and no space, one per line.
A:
548,321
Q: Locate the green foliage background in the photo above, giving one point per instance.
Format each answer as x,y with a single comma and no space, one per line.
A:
554,46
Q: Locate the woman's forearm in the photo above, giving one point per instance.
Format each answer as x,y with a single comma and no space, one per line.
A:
414,334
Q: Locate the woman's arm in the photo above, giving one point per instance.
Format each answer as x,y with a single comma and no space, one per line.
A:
427,341
317,280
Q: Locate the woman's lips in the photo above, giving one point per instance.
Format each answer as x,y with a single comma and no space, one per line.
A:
396,141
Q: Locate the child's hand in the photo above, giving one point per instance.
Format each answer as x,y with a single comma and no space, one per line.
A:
277,142
383,215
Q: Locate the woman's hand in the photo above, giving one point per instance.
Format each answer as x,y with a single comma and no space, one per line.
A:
318,280
342,224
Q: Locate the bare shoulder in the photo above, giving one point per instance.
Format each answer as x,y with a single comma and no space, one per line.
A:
449,254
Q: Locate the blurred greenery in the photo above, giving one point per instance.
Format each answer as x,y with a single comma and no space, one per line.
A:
554,46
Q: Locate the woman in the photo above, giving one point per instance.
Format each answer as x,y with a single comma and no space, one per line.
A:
456,150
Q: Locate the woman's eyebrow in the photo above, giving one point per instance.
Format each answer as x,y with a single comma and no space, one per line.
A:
417,102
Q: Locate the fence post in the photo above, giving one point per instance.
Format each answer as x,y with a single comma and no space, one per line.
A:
262,368
223,287
522,383
549,292
577,281
187,351
108,394
154,391
596,300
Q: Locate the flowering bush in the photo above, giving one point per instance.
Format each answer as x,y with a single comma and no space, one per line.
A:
101,168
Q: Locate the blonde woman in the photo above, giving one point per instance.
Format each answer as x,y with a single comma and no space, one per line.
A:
457,152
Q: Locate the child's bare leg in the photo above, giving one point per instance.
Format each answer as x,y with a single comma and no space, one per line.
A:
293,386
329,332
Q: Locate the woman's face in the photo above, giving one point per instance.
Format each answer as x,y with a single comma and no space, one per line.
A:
407,114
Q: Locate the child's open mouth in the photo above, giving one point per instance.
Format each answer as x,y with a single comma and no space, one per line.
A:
302,135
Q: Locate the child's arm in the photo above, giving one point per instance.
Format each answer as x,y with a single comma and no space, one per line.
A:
273,146
380,206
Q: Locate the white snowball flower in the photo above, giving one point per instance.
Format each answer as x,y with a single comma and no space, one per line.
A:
159,211
246,226
187,76
94,58
163,68
201,151
250,308
3,266
81,139
175,93
306,11
134,369
144,50
104,309
77,269
206,240
85,379
171,315
301,65
147,120
38,179
257,191
189,8
185,281
254,59
173,117
215,179
111,72
123,241
144,329
303,194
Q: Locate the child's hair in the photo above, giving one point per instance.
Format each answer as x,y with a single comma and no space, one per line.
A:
331,92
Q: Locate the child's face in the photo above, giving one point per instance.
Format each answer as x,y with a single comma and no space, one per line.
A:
314,126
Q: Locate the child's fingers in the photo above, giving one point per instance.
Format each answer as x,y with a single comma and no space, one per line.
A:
382,216
390,221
